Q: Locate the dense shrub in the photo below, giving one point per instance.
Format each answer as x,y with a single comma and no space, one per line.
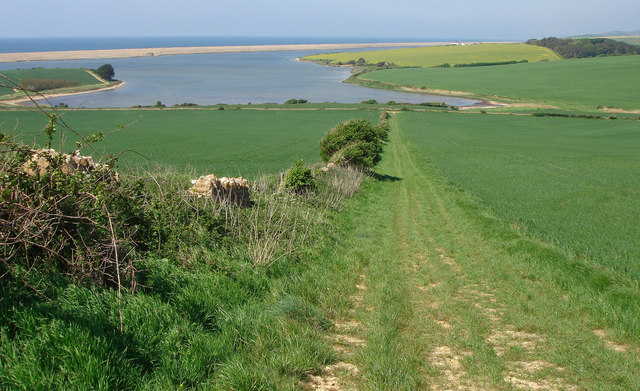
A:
486,64
295,101
82,224
106,72
352,143
299,178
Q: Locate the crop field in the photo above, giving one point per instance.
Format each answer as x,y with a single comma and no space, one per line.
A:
224,142
573,182
81,75
604,81
437,55
631,39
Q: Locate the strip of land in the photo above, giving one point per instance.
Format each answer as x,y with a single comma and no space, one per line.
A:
172,51
40,97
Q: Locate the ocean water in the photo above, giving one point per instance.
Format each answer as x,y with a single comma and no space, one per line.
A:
232,78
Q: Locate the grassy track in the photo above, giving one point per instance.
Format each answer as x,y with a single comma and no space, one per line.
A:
585,83
437,55
83,77
228,142
452,298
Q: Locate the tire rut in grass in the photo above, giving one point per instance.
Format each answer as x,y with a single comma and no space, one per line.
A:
526,370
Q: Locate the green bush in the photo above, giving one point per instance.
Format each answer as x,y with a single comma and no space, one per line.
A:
353,143
299,179
106,72
295,101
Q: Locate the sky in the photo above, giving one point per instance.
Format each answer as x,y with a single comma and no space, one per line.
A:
463,19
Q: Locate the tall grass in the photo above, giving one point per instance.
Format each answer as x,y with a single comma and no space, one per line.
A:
229,300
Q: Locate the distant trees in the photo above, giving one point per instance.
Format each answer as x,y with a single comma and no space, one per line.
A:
106,72
361,62
587,47
295,101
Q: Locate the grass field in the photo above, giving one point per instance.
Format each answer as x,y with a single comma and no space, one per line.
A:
631,39
582,83
489,251
81,75
451,297
225,142
437,55
568,181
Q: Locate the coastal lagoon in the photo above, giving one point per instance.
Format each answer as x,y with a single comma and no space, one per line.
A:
231,78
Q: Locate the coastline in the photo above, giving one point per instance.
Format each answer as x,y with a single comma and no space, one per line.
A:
37,98
173,51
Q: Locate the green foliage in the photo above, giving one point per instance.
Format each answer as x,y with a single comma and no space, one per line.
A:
81,240
295,101
299,178
356,142
106,72
370,102
586,47
185,104
361,62
433,104
485,64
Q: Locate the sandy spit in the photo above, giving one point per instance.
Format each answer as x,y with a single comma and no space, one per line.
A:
172,51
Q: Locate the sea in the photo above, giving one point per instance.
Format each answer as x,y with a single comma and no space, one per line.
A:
206,79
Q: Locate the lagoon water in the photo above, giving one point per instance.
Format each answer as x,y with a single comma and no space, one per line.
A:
232,78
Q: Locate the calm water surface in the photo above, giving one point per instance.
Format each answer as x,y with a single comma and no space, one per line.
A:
230,78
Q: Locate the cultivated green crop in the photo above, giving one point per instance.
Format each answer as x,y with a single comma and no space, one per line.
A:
605,81
223,142
569,181
437,55
81,75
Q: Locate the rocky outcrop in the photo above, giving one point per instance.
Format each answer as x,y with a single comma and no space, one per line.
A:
234,190
43,160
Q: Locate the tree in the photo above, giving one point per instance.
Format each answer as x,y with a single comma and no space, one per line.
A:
361,62
106,72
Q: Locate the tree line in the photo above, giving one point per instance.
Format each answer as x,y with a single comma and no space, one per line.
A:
587,47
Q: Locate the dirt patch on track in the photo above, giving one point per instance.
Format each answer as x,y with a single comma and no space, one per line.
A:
609,344
340,375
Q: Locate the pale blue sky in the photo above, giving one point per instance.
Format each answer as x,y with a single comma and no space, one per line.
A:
465,19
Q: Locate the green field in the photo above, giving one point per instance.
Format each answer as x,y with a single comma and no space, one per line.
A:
224,142
81,75
631,39
570,182
437,55
486,252
581,83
